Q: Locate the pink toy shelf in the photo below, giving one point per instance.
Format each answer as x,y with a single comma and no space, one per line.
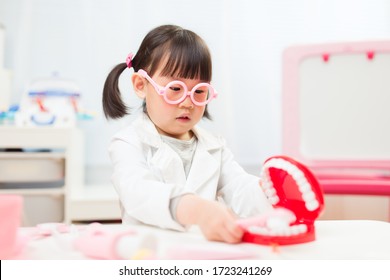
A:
336,114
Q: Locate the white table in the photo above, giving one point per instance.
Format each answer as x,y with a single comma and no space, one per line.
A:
347,239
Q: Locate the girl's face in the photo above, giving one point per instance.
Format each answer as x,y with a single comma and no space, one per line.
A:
174,120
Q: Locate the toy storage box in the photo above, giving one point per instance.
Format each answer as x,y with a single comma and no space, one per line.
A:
336,115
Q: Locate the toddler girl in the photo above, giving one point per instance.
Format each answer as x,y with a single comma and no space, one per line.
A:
168,171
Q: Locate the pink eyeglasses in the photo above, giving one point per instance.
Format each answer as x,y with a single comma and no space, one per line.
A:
176,91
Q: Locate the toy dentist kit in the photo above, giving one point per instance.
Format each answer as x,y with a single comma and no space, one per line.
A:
51,102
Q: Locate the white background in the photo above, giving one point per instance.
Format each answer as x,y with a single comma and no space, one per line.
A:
83,39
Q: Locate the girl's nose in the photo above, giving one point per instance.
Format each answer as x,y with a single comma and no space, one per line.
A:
187,103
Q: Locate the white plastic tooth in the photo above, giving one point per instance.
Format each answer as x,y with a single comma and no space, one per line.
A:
290,169
275,163
270,192
273,200
276,223
285,232
302,228
265,177
296,177
258,230
301,181
312,205
299,178
304,187
254,229
266,185
298,173
274,233
283,165
266,231
294,230
290,231
308,196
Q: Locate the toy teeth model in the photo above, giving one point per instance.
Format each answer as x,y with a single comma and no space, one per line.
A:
297,199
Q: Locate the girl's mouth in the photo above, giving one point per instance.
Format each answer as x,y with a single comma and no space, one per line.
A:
183,118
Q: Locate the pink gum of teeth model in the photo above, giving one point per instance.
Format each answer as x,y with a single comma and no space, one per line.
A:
297,198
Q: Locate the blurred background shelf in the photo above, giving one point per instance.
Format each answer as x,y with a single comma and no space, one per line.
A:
44,165
94,203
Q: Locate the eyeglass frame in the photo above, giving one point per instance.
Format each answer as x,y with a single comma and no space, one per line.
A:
161,90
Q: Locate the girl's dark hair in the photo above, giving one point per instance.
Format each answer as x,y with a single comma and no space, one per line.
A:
186,55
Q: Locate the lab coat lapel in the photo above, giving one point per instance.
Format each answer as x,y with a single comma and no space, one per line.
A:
170,165
204,166
203,169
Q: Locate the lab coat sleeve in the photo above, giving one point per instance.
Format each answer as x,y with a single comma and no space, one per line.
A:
240,190
143,196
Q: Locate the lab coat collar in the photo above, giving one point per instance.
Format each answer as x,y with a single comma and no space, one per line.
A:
148,134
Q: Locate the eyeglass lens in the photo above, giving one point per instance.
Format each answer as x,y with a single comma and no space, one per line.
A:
176,91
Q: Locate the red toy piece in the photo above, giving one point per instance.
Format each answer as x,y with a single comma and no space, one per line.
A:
297,198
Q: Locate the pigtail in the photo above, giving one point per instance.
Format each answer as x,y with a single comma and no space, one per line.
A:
113,105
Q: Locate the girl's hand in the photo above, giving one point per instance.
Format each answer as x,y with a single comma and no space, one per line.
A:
216,221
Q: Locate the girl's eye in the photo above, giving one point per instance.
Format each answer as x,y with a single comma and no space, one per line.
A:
198,91
175,88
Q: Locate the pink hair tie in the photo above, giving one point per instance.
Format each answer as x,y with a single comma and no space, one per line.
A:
129,60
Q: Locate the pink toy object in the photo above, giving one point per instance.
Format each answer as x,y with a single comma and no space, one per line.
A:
297,198
49,229
98,242
10,213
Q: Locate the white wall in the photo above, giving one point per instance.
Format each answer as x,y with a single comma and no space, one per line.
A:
84,39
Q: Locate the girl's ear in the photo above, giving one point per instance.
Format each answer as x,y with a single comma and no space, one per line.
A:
139,84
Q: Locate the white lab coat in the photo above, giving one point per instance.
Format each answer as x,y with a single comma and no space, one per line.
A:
148,174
